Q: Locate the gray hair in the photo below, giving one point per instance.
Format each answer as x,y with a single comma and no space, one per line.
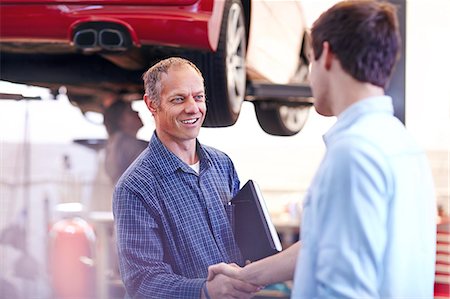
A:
152,77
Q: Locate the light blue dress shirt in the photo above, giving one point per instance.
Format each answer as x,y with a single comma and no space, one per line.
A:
369,218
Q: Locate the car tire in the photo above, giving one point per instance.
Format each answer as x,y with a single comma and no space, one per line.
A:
281,119
224,70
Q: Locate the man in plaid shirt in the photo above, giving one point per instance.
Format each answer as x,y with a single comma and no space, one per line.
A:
171,205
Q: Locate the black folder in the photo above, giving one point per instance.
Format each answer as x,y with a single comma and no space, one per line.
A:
254,231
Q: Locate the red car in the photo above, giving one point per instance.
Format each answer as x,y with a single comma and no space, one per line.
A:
99,49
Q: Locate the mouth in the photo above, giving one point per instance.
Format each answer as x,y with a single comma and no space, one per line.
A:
190,121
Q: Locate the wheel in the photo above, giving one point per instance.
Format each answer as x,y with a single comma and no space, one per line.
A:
224,70
281,119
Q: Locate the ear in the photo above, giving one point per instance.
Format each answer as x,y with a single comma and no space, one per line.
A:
328,56
150,104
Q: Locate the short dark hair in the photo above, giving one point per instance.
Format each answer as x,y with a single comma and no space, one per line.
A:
152,77
364,36
113,114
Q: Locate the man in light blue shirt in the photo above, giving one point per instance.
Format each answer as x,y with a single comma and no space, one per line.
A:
369,218
368,229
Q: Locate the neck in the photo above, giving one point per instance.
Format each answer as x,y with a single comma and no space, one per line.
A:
351,91
129,131
183,149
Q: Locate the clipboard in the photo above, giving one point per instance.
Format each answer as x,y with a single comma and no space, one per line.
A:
254,231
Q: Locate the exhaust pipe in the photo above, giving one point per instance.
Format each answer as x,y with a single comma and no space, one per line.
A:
86,40
112,40
102,36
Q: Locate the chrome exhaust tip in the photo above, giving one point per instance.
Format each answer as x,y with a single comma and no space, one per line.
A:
86,39
102,37
112,40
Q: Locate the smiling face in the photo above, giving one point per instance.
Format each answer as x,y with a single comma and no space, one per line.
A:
182,108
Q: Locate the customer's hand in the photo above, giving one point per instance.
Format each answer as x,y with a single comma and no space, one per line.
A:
222,282
253,273
230,270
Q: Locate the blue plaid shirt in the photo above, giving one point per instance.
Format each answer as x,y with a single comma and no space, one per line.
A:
172,223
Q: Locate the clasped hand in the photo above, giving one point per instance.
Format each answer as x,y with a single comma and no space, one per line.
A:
230,281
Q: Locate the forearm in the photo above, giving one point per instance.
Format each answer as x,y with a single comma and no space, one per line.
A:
276,268
164,286
144,270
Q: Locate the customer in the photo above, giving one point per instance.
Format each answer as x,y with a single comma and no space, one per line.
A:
170,209
122,124
368,227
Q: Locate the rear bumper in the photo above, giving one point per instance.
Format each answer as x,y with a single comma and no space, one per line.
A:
195,26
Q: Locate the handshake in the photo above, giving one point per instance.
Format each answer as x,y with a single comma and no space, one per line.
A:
231,281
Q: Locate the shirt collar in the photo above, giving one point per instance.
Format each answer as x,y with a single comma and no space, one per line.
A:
167,162
376,104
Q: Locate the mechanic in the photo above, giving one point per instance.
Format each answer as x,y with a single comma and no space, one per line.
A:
170,207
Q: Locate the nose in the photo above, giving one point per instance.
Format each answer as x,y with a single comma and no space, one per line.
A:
191,106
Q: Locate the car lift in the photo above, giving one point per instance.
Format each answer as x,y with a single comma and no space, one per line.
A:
291,92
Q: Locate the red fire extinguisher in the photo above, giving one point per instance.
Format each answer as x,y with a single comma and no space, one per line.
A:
71,255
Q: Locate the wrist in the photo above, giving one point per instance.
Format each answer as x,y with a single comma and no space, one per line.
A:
205,293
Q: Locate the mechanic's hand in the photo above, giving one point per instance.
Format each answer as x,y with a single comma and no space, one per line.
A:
222,286
230,270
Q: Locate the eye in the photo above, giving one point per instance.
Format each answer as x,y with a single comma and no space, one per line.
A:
199,98
177,100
